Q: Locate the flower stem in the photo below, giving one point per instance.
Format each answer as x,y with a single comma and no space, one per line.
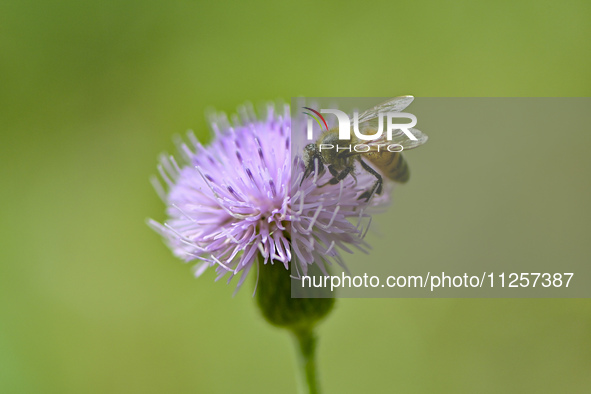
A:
299,315
306,349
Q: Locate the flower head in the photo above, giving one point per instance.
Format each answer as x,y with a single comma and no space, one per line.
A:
245,197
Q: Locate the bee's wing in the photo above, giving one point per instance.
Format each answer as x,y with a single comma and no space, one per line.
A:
397,104
400,138
369,123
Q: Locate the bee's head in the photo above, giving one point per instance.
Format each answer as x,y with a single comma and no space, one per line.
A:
310,151
310,154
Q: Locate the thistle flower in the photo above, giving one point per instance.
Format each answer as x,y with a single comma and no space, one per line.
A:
243,199
247,197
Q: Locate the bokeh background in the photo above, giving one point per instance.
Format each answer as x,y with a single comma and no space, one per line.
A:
91,301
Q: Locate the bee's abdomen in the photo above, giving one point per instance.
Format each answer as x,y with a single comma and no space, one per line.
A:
392,165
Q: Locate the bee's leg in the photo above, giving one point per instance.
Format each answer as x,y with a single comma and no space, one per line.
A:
377,187
338,176
341,175
320,165
312,167
333,171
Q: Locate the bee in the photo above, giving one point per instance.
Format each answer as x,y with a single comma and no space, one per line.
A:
342,163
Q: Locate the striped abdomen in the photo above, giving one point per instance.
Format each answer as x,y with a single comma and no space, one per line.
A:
392,165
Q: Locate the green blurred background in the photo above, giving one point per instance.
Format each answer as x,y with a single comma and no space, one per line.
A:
91,301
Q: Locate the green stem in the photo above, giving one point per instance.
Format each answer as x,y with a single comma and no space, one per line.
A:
298,315
306,349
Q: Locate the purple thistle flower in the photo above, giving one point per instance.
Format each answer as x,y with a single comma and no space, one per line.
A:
242,197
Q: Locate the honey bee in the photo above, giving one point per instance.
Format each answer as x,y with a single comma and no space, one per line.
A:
388,163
